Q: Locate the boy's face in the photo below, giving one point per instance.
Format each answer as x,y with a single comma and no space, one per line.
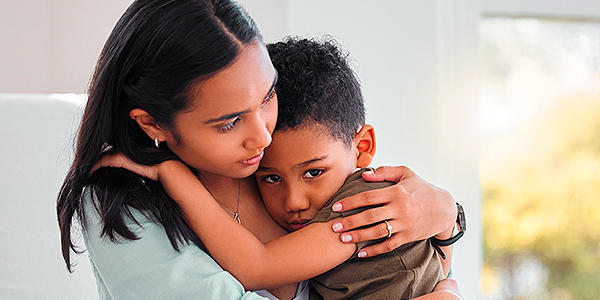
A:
301,169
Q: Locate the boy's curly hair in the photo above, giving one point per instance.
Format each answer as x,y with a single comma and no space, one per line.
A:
316,84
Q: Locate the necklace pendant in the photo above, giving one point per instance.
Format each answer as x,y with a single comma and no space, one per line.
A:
237,218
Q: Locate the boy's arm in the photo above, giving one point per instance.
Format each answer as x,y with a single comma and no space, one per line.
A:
297,256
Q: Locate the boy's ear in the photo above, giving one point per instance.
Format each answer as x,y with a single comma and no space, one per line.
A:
147,123
365,144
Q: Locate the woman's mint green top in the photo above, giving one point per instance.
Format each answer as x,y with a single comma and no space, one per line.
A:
149,268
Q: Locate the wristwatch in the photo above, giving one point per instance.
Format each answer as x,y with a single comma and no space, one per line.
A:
461,220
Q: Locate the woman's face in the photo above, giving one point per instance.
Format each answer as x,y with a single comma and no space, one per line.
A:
232,117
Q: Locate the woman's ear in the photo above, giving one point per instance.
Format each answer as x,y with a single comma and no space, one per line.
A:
365,144
147,123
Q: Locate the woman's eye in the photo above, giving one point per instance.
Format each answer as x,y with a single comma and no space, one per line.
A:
272,178
312,173
231,125
269,97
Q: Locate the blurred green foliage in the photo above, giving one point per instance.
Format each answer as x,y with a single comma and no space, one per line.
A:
542,199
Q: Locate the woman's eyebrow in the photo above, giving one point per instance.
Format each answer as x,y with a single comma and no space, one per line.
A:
237,114
227,117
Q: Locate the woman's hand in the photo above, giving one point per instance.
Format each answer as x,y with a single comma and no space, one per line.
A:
414,208
119,160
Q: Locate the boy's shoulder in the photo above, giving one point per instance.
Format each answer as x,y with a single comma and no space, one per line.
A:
353,185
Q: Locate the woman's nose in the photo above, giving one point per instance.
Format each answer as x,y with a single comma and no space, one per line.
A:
259,136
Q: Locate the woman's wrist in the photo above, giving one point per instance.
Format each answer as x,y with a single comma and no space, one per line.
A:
449,231
451,211
448,236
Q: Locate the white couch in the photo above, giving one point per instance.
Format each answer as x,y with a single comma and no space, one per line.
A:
36,148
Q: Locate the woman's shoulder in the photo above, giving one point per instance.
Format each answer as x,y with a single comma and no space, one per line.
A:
124,201
120,199
94,211
117,180
148,266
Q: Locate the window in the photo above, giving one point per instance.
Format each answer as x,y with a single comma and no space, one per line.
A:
540,166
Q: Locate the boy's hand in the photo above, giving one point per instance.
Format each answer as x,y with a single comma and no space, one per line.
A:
119,160
414,209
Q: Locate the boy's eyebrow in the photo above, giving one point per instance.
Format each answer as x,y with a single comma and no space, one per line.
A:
264,169
308,162
239,113
300,165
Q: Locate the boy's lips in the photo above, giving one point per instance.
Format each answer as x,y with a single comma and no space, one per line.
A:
253,160
297,224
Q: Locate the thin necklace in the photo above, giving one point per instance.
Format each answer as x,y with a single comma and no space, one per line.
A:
235,214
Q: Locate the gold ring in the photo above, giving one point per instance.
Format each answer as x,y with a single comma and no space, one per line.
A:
389,228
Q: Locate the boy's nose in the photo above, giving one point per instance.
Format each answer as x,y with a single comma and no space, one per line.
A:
296,202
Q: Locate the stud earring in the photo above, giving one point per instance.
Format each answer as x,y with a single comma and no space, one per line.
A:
156,142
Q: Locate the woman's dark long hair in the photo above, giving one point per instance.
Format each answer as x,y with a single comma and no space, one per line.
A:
156,52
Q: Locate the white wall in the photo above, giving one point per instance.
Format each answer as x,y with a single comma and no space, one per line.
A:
51,46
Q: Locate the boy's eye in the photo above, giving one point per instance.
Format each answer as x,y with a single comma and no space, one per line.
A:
312,173
231,125
272,178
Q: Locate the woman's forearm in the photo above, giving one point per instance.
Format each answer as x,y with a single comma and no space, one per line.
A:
446,289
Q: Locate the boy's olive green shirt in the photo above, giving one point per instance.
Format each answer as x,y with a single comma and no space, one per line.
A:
409,271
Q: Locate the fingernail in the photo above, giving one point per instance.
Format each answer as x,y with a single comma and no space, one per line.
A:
337,226
346,238
337,207
370,172
362,254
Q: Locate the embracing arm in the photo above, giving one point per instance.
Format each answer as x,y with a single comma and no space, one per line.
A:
414,208
294,257
297,256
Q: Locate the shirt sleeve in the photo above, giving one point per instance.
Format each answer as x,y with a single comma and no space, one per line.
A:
149,268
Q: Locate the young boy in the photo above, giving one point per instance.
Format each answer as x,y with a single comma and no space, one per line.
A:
320,140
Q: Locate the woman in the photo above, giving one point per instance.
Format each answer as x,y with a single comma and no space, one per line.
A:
163,90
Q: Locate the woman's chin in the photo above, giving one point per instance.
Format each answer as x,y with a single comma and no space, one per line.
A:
249,171
237,172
